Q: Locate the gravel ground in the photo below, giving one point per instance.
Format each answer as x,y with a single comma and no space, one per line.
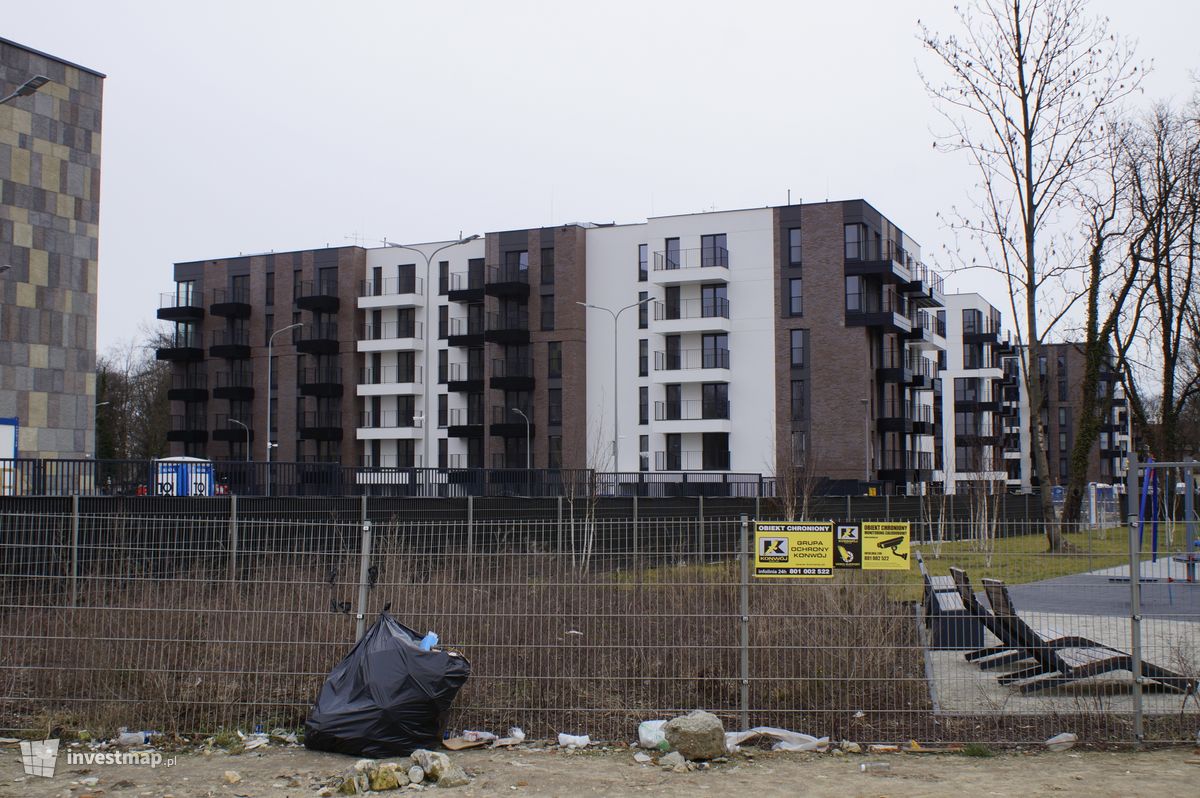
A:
280,772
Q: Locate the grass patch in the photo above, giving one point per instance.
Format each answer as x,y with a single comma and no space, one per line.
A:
977,750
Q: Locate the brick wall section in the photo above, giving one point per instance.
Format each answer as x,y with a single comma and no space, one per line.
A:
840,373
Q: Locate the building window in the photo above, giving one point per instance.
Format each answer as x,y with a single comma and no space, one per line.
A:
643,310
443,321
643,405
1062,390
443,452
713,251
643,453
554,407
1062,416
443,412
798,349
798,400
554,451
854,241
972,321
794,250
443,277
643,262
547,312
643,357
443,365
854,294
795,297
270,288
554,359
671,253
972,356
548,266
1062,467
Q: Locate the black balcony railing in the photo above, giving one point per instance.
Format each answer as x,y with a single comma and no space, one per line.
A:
466,326
393,329
506,415
328,375
235,379
507,274
512,367
691,410
183,381
189,423
462,417
704,308
389,374
390,286
670,260
389,419
463,372
224,296
316,288
692,460
229,338
691,359
508,320
314,419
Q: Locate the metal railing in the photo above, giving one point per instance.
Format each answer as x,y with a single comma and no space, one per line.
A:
691,359
466,325
389,419
314,288
508,320
512,367
705,308
704,257
507,274
691,460
184,381
389,330
691,410
389,374
390,286
173,299
221,296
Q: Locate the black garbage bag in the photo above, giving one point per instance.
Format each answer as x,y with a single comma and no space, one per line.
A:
387,697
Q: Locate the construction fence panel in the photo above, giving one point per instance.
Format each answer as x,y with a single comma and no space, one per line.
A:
584,623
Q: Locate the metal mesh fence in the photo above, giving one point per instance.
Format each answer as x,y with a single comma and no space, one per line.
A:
584,623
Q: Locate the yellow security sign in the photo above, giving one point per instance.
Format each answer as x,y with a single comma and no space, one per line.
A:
793,549
885,546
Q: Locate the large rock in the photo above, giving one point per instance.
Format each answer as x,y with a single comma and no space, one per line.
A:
696,735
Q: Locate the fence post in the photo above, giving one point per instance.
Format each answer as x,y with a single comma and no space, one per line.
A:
233,537
470,529
1135,598
887,506
744,601
560,527
635,531
849,515
1189,506
364,565
700,529
362,513
74,549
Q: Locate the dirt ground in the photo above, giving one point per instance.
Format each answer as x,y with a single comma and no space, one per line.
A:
280,772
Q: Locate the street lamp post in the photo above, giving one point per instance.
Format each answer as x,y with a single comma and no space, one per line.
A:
270,388
429,454
243,426
521,413
616,399
27,88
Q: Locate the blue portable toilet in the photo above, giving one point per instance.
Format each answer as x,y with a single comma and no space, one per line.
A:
183,476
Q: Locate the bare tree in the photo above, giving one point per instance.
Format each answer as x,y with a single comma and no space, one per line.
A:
1164,165
133,413
797,476
1029,85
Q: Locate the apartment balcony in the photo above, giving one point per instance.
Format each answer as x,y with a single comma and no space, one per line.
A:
512,374
692,365
317,338
391,292
180,307
980,332
927,332
319,296
692,415
188,387
976,438
389,425
923,373
691,460
886,260
465,424
465,289
1005,347
692,315
392,336
321,426
227,430
507,424
229,344
884,311
926,288
507,281
466,332
390,381
237,386
181,348
903,465
976,404
188,429
507,327
896,416
464,379
685,266
923,419
320,381
230,303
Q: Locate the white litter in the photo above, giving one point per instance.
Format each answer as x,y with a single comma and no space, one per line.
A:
1061,742
651,734
574,741
786,740
477,736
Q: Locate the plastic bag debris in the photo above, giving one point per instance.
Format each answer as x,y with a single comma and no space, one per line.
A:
786,740
575,741
515,736
1061,742
477,736
651,735
429,641
387,697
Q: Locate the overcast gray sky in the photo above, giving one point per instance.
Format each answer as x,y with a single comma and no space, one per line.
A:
249,126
